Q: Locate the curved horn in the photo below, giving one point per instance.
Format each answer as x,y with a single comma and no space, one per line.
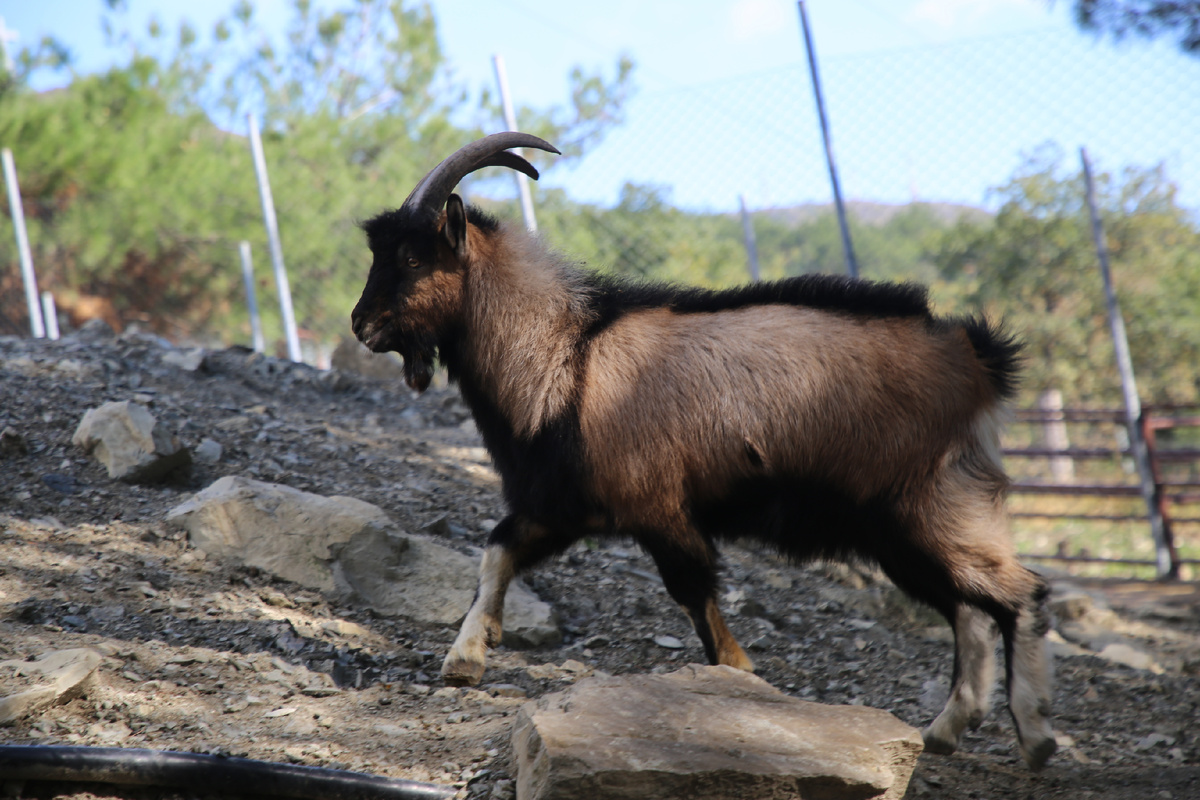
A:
431,193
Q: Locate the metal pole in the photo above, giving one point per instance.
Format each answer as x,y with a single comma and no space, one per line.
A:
847,247
18,217
50,316
256,330
748,236
268,208
510,121
1166,560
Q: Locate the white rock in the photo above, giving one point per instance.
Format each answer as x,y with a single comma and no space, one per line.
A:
186,360
128,440
56,677
1131,657
209,452
705,733
352,356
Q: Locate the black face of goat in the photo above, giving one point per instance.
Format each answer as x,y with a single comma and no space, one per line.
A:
824,416
413,292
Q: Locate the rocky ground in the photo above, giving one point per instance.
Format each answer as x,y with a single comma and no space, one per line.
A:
202,656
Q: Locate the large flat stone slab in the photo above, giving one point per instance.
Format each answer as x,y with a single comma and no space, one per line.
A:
350,550
706,733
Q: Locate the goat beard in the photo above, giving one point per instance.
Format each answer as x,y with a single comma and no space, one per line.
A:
418,368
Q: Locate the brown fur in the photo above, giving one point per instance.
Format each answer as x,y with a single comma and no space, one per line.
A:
893,415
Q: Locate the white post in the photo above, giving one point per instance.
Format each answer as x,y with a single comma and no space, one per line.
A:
18,216
1054,434
256,330
510,121
268,207
50,315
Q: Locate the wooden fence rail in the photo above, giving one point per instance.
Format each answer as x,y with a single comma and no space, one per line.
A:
1172,494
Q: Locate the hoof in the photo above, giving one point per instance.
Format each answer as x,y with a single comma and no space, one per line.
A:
1038,754
460,672
940,745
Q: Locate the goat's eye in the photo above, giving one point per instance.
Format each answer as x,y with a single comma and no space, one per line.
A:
414,263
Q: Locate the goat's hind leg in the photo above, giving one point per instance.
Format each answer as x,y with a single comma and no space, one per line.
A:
514,544
975,636
1028,674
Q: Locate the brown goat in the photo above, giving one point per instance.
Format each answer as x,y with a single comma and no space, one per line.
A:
825,416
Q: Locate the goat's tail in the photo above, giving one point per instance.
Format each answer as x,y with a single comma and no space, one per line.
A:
1000,353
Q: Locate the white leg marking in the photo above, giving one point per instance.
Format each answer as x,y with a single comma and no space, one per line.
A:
975,653
1029,696
481,629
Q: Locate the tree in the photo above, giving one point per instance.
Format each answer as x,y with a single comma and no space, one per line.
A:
1146,18
141,195
1035,265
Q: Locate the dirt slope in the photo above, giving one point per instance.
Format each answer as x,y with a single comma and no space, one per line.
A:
203,657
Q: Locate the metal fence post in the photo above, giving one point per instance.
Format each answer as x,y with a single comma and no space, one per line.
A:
256,331
36,325
1166,559
268,208
50,316
751,242
510,121
847,246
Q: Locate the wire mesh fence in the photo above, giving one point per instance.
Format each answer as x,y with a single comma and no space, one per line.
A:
920,134
930,128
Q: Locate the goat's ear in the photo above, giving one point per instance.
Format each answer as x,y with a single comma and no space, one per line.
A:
455,229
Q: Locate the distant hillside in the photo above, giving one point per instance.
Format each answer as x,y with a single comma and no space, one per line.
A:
870,213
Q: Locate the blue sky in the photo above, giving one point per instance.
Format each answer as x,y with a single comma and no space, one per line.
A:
929,99
676,43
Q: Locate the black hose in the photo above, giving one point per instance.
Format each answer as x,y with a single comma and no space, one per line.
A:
207,773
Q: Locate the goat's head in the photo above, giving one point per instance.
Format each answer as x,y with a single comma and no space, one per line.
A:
414,292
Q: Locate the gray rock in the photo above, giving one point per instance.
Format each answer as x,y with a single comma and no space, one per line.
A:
1121,653
705,732
1070,605
55,678
352,356
350,550
209,452
397,574
284,531
129,442
186,360
12,444
94,330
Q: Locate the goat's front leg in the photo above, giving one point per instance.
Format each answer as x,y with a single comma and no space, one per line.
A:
687,564
515,544
483,625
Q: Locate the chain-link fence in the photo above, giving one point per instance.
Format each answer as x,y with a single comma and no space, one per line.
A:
660,196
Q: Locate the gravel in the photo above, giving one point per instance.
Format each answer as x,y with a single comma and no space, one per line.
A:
204,657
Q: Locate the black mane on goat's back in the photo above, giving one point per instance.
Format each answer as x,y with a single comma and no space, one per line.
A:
613,297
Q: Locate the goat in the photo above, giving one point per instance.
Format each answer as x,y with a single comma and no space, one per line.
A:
825,416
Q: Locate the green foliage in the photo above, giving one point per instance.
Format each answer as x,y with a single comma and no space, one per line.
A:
895,248
135,193
1178,19
1035,264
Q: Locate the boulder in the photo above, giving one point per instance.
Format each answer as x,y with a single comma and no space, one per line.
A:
129,442
705,732
191,360
56,677
353,356
350,550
